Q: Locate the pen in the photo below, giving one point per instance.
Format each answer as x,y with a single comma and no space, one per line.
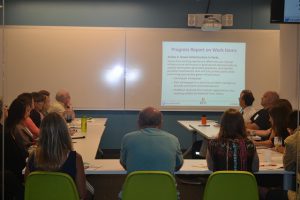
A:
203,125
79,137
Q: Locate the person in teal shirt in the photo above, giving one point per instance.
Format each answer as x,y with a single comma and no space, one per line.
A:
150,148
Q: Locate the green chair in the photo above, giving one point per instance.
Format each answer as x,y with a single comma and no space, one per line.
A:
149,185
231,185
41,185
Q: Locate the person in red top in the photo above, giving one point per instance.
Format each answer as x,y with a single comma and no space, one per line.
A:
29,124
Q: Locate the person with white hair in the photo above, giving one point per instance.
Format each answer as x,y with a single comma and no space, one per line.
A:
62,105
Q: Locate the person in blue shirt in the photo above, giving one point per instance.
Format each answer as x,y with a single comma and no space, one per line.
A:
150,148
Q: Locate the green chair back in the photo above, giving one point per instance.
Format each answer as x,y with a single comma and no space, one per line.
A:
149,185
231,185
42,185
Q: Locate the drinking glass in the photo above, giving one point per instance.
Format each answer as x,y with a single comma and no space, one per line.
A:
277,141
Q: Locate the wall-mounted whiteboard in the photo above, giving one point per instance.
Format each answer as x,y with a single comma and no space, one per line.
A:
120,68
144,54
80,60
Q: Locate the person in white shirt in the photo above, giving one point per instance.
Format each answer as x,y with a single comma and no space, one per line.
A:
62,105
246,100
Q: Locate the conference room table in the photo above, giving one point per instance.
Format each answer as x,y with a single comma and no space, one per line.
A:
270,160
208,131
87,144
88,147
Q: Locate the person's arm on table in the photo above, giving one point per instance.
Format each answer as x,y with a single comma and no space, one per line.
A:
251,125
32,127
267,143
261,133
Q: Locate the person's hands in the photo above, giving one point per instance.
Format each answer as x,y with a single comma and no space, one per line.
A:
72,131
279,149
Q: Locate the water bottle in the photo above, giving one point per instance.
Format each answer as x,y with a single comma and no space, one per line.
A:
83,124
203,120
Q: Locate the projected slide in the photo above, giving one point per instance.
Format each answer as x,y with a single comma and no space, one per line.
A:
291,11
202,73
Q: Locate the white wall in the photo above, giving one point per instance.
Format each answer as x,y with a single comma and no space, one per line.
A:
289,62
1,62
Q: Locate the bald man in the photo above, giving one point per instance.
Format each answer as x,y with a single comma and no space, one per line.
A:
260,120
62,105
150,148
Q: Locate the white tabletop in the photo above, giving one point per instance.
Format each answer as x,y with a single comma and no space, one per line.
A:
208,131
88,146
191,166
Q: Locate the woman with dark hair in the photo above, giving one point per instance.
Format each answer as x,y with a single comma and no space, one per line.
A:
17,139
232,150
18,111
279,119
55,152
28,99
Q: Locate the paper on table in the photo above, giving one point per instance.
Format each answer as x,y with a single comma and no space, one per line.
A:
270,166
94,167
201,166
88,166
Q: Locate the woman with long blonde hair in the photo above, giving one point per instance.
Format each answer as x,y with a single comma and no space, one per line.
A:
54,152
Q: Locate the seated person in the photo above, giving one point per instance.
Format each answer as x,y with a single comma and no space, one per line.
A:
150,148
13,163
266,133
18,112
27,97
278,118
246,100
260,120
232,150
290,158
36,113
55,145
62,105
46,105
291,142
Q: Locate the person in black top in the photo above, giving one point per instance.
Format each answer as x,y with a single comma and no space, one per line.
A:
54,152
279,119
13,162
260,120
